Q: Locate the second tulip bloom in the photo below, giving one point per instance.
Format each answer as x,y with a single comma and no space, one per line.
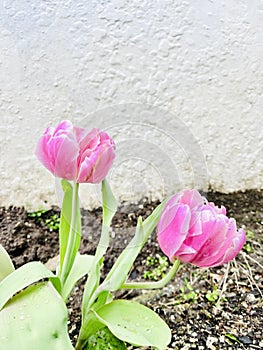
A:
196,231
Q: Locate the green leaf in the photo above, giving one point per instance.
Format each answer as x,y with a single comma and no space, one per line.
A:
109,203
135,324
250,235
151,222
6,265
103,298
65,219
21,278
65,222
121,268
109,207
232,337
80,268
35,318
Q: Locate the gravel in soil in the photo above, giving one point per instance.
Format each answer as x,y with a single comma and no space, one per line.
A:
218,308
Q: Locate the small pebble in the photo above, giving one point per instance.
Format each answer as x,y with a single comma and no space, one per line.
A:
192,340
251,299
245,340
186,347
210,341
222,339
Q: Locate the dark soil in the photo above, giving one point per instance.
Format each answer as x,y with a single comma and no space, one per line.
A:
189,303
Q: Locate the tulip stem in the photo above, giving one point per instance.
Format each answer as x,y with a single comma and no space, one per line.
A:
70,250
154,285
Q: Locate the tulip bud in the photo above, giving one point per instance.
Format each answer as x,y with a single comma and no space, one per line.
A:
196,231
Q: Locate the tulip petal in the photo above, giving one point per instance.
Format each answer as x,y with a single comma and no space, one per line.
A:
103,164
86,167
66,157
171,239
213,245
192,198
169,212
216,209
207,221
58,150
185,253
233,249
195,227
42,150
96,155
88,140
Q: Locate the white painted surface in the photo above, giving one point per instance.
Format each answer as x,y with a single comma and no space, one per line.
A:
179,84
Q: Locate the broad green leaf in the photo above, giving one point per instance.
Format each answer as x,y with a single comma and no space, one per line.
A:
6,265
135,324
21,278
35,318
80,268
65,222
109,207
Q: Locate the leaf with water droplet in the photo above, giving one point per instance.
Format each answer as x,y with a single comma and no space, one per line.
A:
135,324
25,318
21,278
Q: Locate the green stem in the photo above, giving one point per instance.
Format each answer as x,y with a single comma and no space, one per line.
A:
70,251
154,285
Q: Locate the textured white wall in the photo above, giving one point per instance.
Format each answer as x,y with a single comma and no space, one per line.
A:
179,84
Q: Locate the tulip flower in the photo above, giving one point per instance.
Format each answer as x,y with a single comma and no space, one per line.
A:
77,154
193,230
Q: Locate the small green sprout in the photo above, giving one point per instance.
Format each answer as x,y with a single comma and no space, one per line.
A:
104,340
232,337
51,221
214,296
248,245
36,214
187,293
160,265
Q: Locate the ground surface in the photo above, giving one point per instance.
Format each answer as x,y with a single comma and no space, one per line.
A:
188,303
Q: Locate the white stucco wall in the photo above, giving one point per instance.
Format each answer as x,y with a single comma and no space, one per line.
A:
178,84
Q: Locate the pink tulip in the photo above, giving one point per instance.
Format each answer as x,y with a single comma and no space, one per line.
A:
196,231
77,154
